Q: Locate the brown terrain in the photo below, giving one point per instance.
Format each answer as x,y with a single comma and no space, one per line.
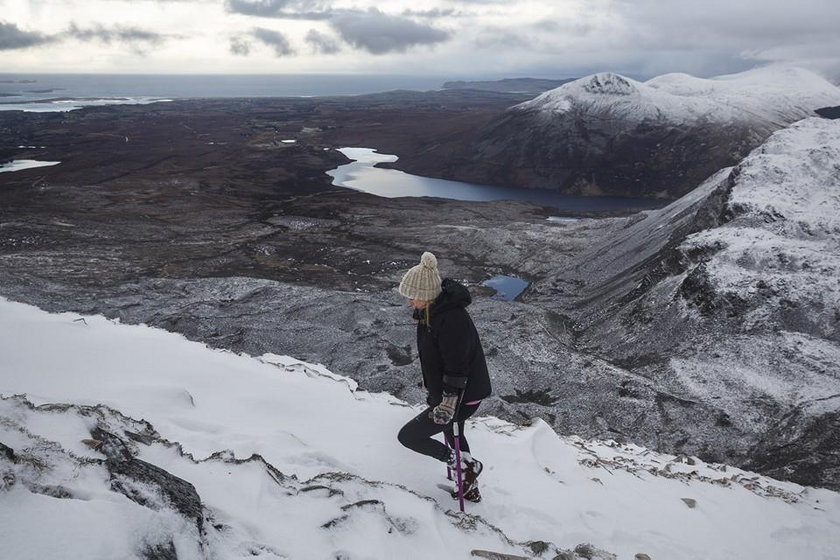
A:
200,188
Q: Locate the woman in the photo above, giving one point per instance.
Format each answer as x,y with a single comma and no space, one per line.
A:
454,370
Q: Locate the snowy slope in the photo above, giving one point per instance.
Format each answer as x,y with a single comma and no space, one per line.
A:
291,461
782,244
766,97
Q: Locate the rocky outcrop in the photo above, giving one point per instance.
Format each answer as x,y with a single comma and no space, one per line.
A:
804,445
133,477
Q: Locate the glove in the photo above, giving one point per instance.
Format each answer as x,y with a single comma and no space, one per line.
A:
443,413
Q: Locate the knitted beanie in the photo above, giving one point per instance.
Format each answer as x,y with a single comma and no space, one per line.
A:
422,281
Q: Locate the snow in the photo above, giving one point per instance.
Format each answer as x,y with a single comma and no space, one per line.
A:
336,447
783,242
745,368
778,257
772,96
97,528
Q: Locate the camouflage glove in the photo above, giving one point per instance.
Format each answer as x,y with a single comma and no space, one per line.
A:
443,413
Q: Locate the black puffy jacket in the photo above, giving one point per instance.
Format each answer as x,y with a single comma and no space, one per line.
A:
451,356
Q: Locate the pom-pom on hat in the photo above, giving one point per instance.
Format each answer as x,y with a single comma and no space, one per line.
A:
422,281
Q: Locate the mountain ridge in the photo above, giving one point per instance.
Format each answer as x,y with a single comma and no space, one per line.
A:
734,306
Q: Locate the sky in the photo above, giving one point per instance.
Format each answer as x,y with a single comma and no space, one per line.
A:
469,38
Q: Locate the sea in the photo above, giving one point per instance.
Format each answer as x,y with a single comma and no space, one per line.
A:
66,92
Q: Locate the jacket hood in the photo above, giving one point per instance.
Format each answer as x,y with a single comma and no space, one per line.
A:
453,294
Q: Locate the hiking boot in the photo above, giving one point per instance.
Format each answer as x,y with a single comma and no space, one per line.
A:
471,473
472,496
470,477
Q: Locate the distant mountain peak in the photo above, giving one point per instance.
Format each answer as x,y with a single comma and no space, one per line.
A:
769,96
608,83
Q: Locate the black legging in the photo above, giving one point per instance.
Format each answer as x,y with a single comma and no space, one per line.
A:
417,433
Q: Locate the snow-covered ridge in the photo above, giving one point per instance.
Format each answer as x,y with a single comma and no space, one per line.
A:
771,95
276,458
781,251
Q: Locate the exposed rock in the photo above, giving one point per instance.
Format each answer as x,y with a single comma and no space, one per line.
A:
802,447
590,552
7,480
691,503
127,471
53,491
538,547
490,555
160,552
7,452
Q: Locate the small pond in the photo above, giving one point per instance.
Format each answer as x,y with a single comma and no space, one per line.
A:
507,287
21,164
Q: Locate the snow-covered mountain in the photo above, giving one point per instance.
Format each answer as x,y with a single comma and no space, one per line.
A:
130,442
728,302
765,98
609,134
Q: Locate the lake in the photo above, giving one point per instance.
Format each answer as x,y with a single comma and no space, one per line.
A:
507,288
363,175
21,164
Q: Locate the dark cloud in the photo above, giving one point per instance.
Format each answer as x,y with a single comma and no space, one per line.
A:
380,33
240,46
436,13
138,39
322,43
273,39
281,9
12,37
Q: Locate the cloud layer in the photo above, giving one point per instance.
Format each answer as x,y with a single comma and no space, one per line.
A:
542,38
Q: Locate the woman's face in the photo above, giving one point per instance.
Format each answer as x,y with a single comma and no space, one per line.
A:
418,303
